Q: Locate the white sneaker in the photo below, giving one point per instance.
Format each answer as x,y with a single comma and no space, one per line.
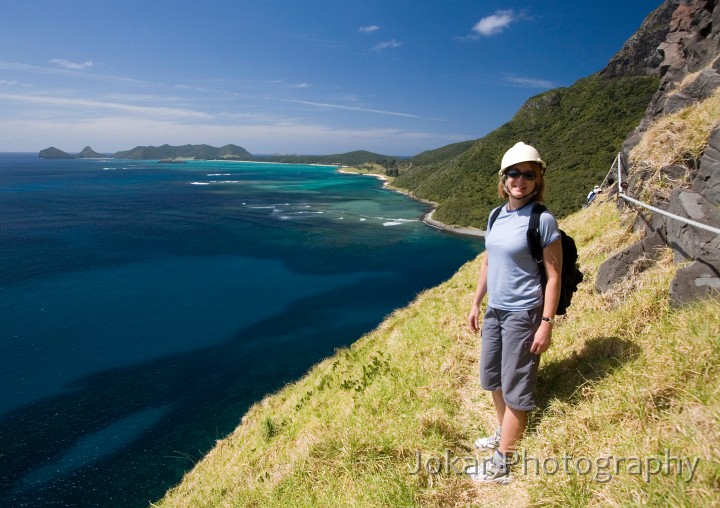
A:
488,443
489,472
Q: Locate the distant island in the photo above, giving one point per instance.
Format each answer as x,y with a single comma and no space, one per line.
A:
168,153
55,153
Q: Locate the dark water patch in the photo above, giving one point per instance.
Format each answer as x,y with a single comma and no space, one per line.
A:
213,386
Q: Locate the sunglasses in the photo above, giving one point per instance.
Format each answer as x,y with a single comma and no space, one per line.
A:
516,173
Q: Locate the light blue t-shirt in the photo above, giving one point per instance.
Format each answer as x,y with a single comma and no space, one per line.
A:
513,279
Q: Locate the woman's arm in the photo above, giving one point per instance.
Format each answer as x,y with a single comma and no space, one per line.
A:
473,318
552,260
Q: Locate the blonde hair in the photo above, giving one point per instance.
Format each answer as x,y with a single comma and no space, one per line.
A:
539,183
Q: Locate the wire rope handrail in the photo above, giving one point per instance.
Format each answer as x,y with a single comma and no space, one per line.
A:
655,209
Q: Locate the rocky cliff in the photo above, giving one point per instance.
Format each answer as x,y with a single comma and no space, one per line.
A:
687,59
640,55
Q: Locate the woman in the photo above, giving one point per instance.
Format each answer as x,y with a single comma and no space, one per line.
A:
517,325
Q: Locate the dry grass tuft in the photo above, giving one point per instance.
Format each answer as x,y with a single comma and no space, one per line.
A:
676,139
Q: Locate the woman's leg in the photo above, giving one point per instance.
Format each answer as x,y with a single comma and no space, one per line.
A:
513,427
499,402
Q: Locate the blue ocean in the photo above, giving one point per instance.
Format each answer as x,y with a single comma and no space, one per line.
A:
145,306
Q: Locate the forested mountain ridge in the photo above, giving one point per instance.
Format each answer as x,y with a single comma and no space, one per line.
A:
353,158
578,130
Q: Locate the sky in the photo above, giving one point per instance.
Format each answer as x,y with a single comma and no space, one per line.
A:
396,77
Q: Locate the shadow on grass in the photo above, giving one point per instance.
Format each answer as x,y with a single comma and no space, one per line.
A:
564,379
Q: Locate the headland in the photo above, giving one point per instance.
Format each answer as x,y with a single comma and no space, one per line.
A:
427,218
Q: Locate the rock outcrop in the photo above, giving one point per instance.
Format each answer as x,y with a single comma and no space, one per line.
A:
691,46
707,181
687,60
641,54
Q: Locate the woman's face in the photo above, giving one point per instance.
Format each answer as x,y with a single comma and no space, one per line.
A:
519,187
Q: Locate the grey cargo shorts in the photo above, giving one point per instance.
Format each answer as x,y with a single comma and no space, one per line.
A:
506,362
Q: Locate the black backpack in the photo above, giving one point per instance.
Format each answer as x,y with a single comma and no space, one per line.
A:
570,276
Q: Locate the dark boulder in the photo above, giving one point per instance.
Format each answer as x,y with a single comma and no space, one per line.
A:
698,280
634,259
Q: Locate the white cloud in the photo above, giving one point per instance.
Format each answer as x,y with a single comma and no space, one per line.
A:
353,108
495,23
368,29
67,71
530,82
302,85
388,44
93,105
67,64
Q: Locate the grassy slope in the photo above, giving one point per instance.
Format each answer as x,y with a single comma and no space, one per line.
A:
626,376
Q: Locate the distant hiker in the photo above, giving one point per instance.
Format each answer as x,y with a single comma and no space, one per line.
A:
518,321
591,196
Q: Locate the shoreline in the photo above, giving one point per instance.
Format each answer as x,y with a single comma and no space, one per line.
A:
266,162
427,217
458,230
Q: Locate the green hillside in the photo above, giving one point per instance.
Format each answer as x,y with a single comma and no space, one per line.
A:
440,156
578,130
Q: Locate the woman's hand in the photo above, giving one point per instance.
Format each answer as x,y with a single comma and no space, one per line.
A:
541,342
473,318
552,258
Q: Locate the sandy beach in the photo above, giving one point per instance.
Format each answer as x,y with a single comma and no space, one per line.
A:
428,217
376,175
458,230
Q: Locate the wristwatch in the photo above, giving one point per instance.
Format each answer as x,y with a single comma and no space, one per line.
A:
549,320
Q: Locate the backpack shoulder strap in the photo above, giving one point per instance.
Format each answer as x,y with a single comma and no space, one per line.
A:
535,242
494,217
533,235
537,211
